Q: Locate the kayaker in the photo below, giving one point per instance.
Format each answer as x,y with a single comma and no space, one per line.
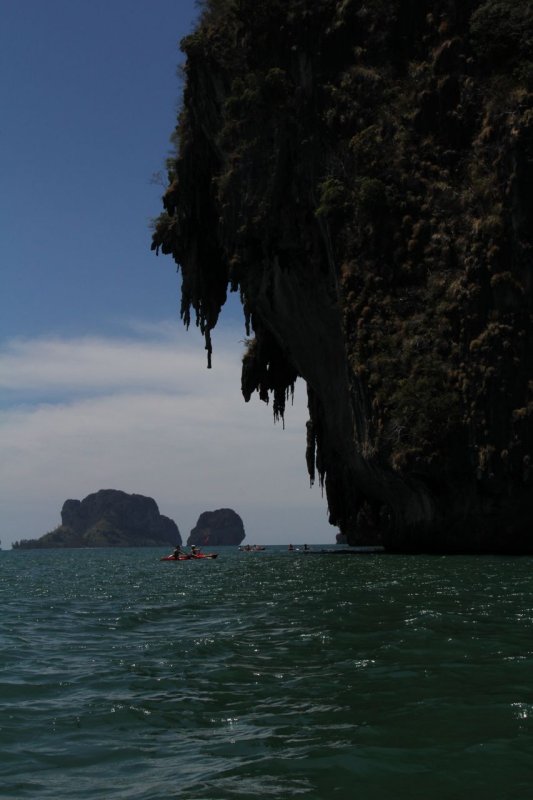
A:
193,550
177,551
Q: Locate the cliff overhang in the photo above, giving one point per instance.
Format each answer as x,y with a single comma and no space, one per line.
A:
361,173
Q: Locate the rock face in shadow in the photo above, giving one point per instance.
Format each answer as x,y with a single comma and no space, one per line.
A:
361,173
109,518
214,528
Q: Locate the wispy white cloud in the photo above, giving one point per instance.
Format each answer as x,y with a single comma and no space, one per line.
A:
143,414
96,364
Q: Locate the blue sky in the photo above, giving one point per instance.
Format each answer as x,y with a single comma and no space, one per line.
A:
100,385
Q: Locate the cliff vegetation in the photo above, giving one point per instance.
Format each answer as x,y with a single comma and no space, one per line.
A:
361,172
108,518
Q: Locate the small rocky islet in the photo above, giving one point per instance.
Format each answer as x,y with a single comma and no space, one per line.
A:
217,528
113,518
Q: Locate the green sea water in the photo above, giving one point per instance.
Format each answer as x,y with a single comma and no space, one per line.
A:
265,675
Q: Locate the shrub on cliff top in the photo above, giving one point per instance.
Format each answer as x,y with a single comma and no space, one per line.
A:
215,7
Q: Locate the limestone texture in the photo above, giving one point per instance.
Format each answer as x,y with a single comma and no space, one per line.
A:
362,174
221,527
109,518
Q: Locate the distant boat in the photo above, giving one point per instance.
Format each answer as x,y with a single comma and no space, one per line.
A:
251,548
188,557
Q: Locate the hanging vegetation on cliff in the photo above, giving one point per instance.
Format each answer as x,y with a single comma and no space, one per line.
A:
361,172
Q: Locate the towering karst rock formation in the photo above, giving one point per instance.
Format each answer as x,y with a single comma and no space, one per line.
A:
361,172
221,527
109,518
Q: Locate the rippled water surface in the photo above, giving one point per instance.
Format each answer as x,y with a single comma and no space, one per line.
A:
265,675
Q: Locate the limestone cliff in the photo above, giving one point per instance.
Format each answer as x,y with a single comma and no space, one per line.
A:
214,528
361,172
109,518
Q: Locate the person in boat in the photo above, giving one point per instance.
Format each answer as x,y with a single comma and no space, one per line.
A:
194,550
177,551
291,547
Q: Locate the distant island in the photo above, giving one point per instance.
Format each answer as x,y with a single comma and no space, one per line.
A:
220,527
108,518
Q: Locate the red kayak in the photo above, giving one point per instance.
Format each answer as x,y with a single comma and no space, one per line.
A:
187,557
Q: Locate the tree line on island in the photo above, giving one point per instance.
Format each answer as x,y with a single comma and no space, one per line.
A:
113,518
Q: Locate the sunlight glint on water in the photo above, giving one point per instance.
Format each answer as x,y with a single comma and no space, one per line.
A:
268,674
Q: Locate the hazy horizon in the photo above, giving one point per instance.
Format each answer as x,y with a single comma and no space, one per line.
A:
102,387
